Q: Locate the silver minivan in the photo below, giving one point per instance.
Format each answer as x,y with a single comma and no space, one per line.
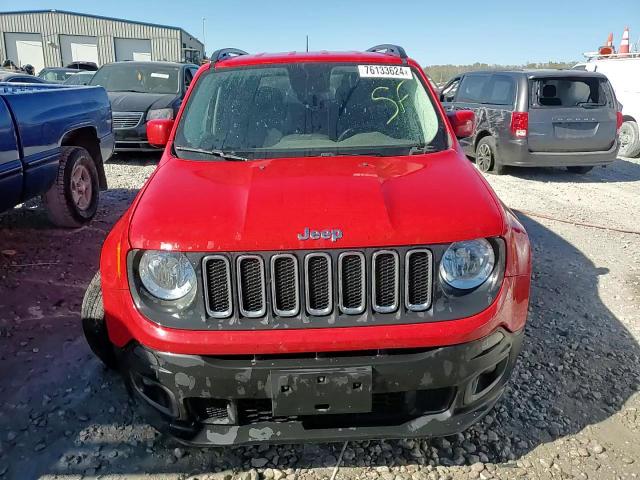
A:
537,118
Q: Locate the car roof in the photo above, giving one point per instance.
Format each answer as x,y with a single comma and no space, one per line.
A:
59,69
308,57
537,73
140,63
8,74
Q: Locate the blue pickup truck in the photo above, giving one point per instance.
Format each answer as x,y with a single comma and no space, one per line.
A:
53,142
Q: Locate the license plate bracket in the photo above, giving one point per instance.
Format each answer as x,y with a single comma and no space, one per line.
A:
321,391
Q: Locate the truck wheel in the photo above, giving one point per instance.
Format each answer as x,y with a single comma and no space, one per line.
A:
486,157
580,170
629,138
73,199
94,326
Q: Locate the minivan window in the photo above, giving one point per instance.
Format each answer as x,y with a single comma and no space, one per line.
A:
472,88
449,91
502,90
308,109
569,92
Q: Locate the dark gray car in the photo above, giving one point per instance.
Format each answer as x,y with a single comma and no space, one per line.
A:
541,118
142,91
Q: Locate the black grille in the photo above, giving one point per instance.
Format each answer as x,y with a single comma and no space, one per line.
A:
218,286
385,271
251,280
209,410
258,410
385,280
285,285
392,408
319,284
419,282
352,283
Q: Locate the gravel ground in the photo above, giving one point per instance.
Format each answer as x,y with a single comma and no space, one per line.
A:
572,409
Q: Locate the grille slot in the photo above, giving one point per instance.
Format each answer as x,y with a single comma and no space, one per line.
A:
124,120
251,286
318,283
385,266
217,281
418,279
351,282
285,285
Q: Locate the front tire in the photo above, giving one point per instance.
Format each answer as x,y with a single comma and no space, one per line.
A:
94,325
73,199
486,160
629,138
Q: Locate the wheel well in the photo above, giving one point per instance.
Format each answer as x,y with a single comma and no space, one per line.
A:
628,118
479,137
87,138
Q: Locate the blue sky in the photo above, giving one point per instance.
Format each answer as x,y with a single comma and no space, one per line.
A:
458,32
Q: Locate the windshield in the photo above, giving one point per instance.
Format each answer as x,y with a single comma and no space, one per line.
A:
309,109
55,75
141,78
79,79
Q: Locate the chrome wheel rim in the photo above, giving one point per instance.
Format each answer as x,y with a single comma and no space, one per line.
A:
624,137
483,158
81,187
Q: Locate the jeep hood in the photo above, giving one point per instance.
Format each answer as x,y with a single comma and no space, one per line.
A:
263,205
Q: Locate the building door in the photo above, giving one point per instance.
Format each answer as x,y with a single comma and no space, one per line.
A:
25,49
76,48
132,49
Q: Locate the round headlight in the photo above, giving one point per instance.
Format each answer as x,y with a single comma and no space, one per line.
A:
466,265
166,275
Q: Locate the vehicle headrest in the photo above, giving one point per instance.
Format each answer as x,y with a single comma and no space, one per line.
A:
549,91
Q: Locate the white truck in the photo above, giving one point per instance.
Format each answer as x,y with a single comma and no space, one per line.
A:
623,71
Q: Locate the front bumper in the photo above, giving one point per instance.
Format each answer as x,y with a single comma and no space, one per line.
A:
133,139
228,400
517,153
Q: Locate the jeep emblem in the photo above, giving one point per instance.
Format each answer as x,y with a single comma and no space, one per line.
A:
333,235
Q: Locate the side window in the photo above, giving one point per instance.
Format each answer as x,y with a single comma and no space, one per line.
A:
449,91
472,88
188,77
502,89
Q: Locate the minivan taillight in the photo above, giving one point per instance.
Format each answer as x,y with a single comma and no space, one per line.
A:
519,124
619,120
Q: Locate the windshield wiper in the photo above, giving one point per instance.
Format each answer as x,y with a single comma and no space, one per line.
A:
421,149
127,91
213,153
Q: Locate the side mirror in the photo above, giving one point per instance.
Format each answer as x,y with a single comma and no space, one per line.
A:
158,131
462,122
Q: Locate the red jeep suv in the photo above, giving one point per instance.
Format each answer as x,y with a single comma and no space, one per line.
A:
313,259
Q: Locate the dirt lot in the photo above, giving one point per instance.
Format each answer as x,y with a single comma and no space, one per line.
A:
572,409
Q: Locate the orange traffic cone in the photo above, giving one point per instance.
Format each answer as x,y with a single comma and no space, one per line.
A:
610,40
624,44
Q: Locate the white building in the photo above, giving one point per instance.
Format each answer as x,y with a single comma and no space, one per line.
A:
55,38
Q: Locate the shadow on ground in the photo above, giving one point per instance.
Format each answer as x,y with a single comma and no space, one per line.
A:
62,413
626,170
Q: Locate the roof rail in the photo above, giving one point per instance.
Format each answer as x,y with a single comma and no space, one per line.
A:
225,53
390,49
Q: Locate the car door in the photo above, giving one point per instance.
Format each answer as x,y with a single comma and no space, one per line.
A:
471,95
448,93
10,163
499,103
